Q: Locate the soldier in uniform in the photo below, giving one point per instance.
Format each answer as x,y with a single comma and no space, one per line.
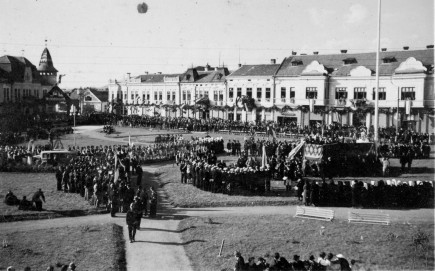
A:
131,223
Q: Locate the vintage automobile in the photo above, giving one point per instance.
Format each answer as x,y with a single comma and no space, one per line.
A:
55,157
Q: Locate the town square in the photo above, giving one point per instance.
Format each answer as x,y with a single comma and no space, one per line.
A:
217,135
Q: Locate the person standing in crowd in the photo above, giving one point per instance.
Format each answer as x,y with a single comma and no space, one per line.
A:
59,173
139,173
131,223
37,198
385,167
153,203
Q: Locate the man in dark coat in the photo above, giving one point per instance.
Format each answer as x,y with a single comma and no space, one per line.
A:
139,172
131,223
59,175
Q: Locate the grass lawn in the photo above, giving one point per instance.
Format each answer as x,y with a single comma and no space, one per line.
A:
57,203
89,247
374,247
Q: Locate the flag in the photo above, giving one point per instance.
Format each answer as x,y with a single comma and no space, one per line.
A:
33,146
129,140
296,150
264,158
312,102
28,145
116,174
408,106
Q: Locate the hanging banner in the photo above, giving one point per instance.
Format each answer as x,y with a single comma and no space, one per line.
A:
312,102
408,106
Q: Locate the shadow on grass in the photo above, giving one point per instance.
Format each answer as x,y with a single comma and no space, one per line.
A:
50,214
165,230
172,243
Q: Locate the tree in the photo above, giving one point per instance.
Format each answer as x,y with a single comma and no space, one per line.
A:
88,109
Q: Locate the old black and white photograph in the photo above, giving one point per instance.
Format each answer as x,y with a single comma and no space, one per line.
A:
224,135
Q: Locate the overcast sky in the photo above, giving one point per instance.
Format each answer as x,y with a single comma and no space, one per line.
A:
93,41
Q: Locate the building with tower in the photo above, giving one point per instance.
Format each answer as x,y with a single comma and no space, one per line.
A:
46,69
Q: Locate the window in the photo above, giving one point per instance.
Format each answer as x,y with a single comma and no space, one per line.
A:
267,93
408,93
173,95
390,59
215,95
200,94
206,93
184,95
359,93
125,96
113,96
239,92
283,94
292,93
155,95
311,93
35,92
249,92
132,96
168,96
88,98
259,93
349,61
160,95
382,94
230,93
221,95
340,93
143,97
189,97
148,96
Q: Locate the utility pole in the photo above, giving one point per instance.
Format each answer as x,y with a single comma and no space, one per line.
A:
376,139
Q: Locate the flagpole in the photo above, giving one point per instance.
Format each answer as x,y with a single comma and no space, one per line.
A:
376,139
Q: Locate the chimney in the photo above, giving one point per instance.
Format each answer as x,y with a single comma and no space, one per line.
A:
405,48
343,51
240,65
294,53
273,61
146,73
384,49
315,53
429,46
159,73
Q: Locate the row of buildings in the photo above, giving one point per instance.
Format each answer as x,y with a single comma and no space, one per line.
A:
302,89
35,89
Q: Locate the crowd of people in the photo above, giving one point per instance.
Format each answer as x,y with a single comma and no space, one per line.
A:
279,263
358,194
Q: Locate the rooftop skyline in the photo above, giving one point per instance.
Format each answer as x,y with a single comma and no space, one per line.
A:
94,41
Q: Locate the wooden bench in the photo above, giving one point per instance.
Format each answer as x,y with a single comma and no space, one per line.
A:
314,213
369,218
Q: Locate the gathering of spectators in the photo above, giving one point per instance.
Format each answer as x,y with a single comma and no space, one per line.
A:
279,263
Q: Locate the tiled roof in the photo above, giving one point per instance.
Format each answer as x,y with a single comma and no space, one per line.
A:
335,65
103,96
15,68
215,76
256,70
155,78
